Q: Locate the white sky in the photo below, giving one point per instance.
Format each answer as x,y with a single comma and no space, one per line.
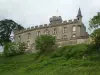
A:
35,12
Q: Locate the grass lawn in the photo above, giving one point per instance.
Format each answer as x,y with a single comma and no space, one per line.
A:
56,63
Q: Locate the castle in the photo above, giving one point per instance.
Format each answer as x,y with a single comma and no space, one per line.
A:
66,32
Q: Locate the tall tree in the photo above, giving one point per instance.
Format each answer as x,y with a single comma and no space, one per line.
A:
45,43
94,22
96,37
6,28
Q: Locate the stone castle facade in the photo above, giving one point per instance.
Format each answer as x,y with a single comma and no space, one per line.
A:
66,32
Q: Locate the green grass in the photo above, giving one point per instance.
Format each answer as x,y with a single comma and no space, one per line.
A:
64,61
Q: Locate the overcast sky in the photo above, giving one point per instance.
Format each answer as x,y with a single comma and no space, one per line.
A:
35,12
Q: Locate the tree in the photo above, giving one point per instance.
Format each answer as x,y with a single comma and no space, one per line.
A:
13,49
94,22
96,37
45,43
6,28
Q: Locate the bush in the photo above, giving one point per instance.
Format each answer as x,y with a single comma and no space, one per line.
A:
13,49
72,51
45,43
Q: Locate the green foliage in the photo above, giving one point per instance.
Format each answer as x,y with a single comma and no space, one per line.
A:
73,51
96,37
13,49
6,28
0,53
45,43
26,64
94,22
22,47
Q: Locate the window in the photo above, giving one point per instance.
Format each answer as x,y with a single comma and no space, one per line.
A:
78,18
64,30
64,36
28,43
19,38
73,35
74,28
38,33
29,35
54,31
46,32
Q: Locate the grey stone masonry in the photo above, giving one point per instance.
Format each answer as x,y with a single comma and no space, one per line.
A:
66,32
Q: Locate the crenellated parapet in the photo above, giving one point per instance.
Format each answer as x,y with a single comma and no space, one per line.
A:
32,27
40,26
46,26
70,21
28,28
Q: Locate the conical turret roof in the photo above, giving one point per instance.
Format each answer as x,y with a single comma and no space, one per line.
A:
79,13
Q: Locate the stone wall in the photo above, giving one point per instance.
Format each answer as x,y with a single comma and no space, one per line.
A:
62,38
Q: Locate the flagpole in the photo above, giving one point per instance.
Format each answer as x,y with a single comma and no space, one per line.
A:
57,13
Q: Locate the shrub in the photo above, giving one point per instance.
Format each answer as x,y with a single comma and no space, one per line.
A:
72,51
21,48
13,49
45,43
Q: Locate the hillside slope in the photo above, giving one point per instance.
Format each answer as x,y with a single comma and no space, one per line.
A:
68,60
